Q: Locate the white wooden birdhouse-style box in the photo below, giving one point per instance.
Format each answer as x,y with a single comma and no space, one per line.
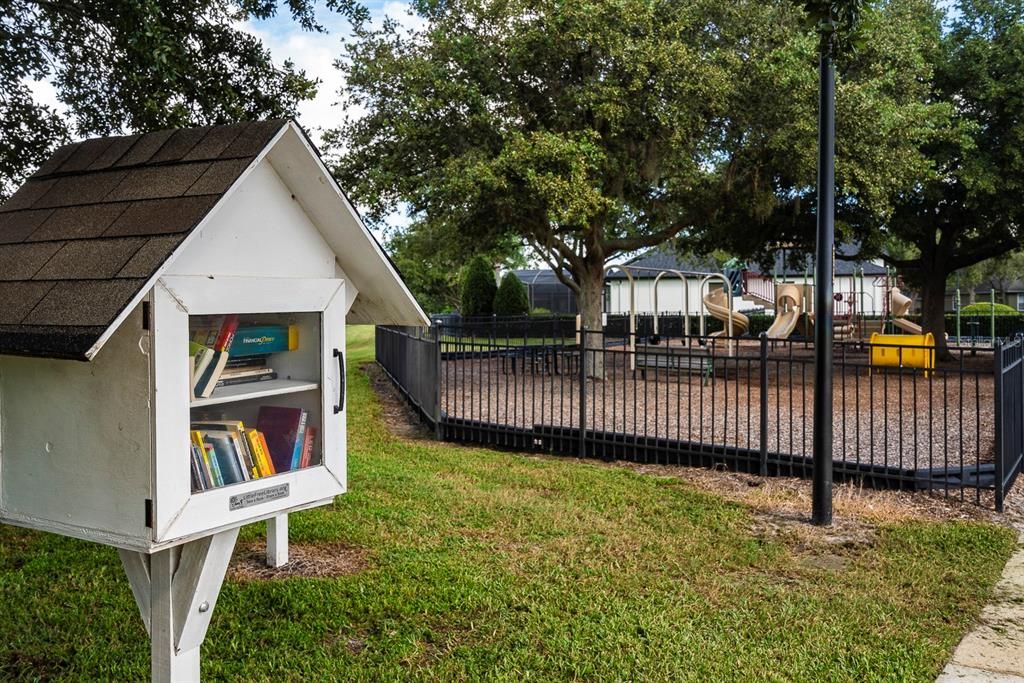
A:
172,350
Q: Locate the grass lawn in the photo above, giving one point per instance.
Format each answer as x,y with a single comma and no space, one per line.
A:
490,565
482,343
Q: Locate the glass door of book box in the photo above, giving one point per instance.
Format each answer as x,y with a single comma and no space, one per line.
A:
262,428
256,396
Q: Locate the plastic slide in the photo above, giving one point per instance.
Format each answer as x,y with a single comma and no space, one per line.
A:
787,312
900,305
717,303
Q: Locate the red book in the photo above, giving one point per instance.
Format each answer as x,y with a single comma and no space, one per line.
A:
307,447
227,333
280,427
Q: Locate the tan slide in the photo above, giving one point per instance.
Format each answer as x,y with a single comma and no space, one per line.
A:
900,306
787,312
718,306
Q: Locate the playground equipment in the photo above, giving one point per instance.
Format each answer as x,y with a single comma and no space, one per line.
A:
899,305
904,351
719,305
717,302
789,302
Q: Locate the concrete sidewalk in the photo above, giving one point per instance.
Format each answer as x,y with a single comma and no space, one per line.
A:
994,650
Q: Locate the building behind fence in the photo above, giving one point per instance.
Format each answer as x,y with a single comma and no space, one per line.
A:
744,404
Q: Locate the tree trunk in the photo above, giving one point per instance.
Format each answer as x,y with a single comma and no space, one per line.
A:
591,282
933,310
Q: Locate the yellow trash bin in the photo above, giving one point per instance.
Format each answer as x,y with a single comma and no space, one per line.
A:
903,351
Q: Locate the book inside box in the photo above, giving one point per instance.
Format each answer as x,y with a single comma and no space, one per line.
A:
255,396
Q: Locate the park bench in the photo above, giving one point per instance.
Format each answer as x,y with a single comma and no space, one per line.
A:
683,362
552,359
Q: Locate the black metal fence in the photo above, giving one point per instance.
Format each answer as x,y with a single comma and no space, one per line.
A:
745,404
1009,415
411,358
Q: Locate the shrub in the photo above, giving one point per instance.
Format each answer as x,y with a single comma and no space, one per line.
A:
478,288
511,297
986,308
540,311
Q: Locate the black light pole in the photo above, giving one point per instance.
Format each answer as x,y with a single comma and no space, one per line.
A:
821,491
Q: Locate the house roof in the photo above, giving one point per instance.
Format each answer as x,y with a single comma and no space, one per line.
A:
660,258
543,276
86,234
664,259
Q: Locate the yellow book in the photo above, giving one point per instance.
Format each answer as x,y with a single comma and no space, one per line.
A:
265,450
252,439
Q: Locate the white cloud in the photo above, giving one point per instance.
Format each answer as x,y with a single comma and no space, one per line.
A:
400,12
315,53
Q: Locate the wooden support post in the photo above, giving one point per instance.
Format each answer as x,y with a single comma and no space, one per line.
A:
277,541
176,591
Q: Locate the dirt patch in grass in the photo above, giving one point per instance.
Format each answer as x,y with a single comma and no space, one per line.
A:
249,562
396,413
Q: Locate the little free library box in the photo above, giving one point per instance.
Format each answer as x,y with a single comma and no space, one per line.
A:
172,351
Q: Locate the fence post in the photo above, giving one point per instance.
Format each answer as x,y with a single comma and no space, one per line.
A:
764,404
1019,374
439,364
583,390
1000,455
992,316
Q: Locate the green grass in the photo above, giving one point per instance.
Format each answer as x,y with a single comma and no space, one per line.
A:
482,343
493,566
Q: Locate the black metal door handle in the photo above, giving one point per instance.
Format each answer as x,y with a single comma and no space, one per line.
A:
340,355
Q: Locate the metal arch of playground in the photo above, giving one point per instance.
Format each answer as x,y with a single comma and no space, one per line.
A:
706,279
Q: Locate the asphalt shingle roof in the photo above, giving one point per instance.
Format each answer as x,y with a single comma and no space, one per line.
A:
663,259
86,232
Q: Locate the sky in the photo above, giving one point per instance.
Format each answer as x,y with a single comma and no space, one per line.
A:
315,53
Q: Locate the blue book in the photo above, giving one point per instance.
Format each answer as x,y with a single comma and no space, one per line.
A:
227,459
218,478
300,439
264,339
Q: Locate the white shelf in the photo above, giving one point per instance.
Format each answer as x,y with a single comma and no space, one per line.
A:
244,392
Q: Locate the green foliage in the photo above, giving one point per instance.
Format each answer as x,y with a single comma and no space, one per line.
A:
586,129
432,262
511,297
590,129
125,65
987,308
540,311
478,288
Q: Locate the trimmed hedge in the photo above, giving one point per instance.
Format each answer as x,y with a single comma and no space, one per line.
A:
511,297
478,288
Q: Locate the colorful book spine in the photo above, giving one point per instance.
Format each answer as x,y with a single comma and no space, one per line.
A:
226,335
246,379
307,447
227,458
300,439
253,441
197,479
242,454
209,464
264,339
211,459
265,449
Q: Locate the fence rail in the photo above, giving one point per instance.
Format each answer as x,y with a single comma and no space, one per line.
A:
742,403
